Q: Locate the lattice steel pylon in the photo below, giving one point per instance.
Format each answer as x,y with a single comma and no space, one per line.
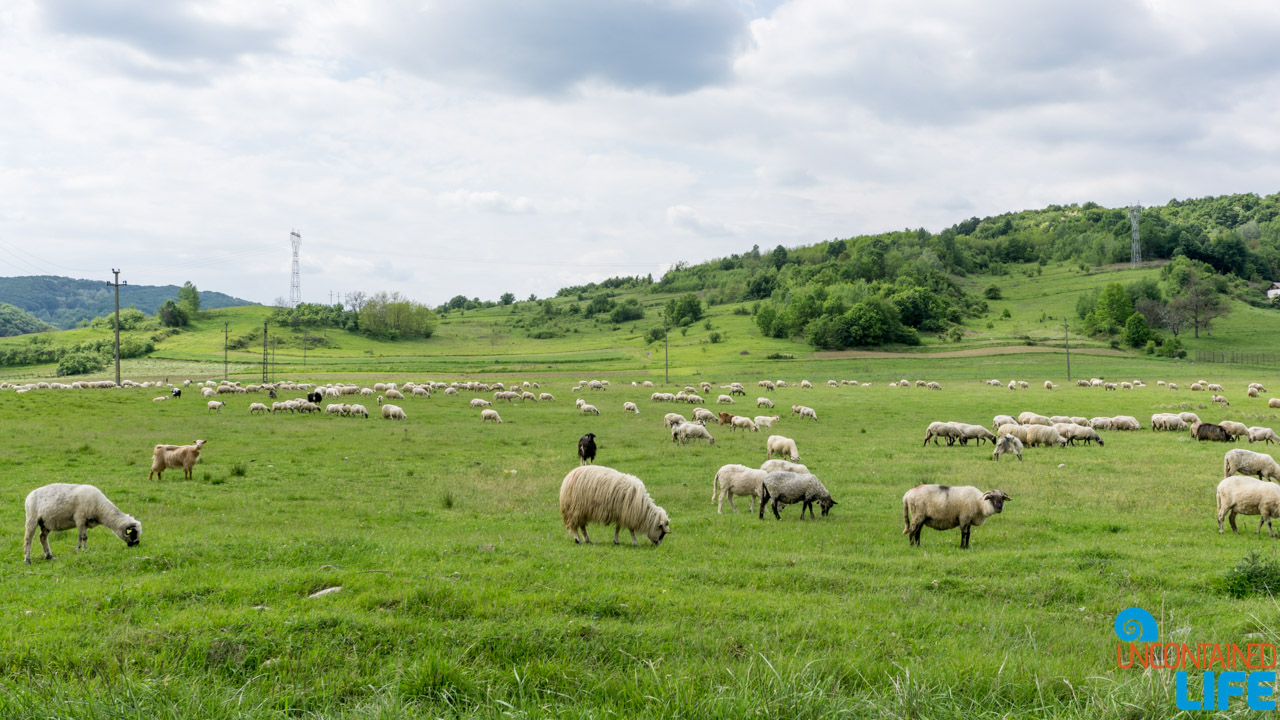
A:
295,284
1134,212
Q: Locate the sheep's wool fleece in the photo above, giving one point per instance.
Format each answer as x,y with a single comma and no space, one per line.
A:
594,493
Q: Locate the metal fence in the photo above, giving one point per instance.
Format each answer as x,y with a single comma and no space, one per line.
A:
1261,359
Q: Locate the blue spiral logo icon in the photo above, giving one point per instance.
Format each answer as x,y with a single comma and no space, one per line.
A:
1136,624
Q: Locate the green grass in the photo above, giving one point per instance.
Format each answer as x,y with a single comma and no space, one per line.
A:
463,595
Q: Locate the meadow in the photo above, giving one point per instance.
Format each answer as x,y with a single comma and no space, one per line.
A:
463,595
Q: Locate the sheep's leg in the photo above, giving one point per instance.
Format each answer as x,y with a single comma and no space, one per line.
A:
764,498
616,529
633,538
1221,515
84,536
727,494
26,541
1232,520
775,509
964,537
585,537
44,542
914,532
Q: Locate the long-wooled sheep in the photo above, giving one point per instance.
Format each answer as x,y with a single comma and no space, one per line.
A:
1208,431
1167,422
597,494
686,431
395,412
62,506
1030,418
1044,435
1263,434
783,446
164,457
704,415
1247,462
777,464
588,409
630,407
1014,429
1189,417
1241,495
943,507
1007,445
788,488
1125,422
733,480
671,419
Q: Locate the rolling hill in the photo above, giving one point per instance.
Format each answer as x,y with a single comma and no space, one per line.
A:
65,302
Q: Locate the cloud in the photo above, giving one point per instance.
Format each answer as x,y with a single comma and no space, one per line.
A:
493,202
551,46
686,218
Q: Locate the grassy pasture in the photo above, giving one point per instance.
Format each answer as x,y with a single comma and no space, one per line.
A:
462,594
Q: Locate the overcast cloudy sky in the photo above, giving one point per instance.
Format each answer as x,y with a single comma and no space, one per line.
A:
438,147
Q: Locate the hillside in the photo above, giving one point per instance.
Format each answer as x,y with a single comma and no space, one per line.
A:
16,321
64,302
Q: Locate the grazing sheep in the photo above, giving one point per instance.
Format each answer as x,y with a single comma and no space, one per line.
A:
216,405
1241,495
733,480
777,464
62,506
686,431
1100,423
1057,419
1247,462
1023,385
1263,434
1048,385
743,423
1006,445
1208,431
587,449
161,398
1215,387
973,432
395,412
764,402
257,407
1234,429
725,418
1253,392
943,507
597,494
1073,432
804,412
1167,422
1084,383
1109,386
940,429
782,446
999,420
806,384
358,410
833,383
765,420
1030,418
579,403
208,392
1013,384
393,394
671,419
1044,435
1125,422
1172,386
933,386
704,415
1189,417
788,488
175,456
1126,386
724,400
706,386
480,402
630,407
1221,400
585,409
1018,431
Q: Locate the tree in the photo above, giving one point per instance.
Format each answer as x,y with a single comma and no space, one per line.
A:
1136,331
1114,305
685,310
189,298
507,298
172,314
778,257
1170,316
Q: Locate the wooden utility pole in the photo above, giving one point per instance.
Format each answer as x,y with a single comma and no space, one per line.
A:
117,285
1067,341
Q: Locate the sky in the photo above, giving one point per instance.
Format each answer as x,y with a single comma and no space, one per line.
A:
477,147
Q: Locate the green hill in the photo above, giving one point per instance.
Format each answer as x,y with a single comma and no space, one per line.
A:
16,321
65,302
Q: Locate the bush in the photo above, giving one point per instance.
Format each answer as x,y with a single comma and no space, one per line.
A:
80,363
993,293
1252,575
715,337
654,334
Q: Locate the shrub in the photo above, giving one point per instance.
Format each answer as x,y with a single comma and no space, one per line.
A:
993,292
80,363
715,337
1252,575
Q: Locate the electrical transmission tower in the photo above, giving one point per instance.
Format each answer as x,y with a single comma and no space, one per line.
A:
1134,212
295,284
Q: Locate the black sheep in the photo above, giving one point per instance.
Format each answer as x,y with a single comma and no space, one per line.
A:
1209,431
587,449
176,392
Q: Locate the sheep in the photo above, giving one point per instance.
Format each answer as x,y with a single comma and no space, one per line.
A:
733,480
630,407
782,446
1172,386
1196,387
1126,386
671,419
706,386
1234,429
1085,383
646,383
1167,421
479,403
804,412
208,392
1263,434
1273,403
1221,400
704,415
1043,435
724,400
1125,422
695,400
939,429
175,456
216,405
743,423
1189,417
933,386
160,398
1005,445
1253,392
1109,386
777,464
1058,419
765,420
395,412
1048,385
767,385
788,488
587,449
943,507
358,410
834,384
1201,431
598,494
62,506
783,383
1073,432
585,409
972,432
1246,462
1030,418
687,430
725,418
994,383
1258,386
1242,495
1100,423
1013,384
1018,431
392,394
257,407
999,420
1023,385
490,414
806,384
764,402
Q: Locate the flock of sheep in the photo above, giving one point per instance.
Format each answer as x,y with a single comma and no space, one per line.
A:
598,494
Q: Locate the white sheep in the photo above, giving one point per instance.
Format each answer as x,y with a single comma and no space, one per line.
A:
764,402
1235,429
733,480
933,386
1018,431
257,407
704,415
804,412
1125,422
1241,495
1126,385
216,405
1220,400
395,412
1007,445
598,494
743,423
806,384
1263,434
1253,392
782,446
630,407
1100,423
1189,417
588,410
489,414
724,400
62,506
943,507
942,429
671,419
1167,422
999,420
777,464
686,431
480,402
161,398
764,420
788,488
1246,462
1030,418
164,457
1043,435
360,410
1073,432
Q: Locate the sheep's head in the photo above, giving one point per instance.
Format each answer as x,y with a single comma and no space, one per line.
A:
199,444
827,504
996,498
131,534
660,528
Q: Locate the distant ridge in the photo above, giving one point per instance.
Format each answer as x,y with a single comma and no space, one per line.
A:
63,302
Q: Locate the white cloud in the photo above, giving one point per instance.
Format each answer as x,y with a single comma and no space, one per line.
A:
487,202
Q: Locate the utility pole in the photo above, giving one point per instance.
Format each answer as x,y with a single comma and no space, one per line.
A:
1067,341
117,285
225,332
264,352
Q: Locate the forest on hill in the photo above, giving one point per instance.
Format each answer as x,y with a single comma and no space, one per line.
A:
68,302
